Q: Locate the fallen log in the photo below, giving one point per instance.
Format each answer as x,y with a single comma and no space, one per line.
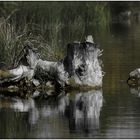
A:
134,78
51,71
81,66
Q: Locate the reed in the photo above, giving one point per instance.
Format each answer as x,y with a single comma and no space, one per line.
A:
49,26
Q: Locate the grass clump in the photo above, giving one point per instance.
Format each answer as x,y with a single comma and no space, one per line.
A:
12,41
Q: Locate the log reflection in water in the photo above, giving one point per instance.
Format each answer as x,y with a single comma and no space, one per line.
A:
135,90
16,104
82,112
59,115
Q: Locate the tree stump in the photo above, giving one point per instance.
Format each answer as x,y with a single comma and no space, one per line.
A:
83,64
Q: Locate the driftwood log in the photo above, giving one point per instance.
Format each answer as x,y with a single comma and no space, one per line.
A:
81,66
134,78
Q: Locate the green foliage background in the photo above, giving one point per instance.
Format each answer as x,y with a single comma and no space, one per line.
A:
51,25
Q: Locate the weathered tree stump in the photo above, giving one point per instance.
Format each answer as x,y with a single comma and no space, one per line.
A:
82,63
81,66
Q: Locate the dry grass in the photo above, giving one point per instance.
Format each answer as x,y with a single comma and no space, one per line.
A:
12,42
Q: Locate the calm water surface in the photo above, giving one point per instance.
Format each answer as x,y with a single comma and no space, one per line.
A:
113,112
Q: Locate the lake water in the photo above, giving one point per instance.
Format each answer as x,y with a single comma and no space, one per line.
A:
113,112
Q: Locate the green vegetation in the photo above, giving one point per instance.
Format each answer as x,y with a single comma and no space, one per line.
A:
49,26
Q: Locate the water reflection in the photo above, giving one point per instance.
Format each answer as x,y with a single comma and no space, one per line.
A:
48,108
59,116
16,104
86,111
82,112
135,91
